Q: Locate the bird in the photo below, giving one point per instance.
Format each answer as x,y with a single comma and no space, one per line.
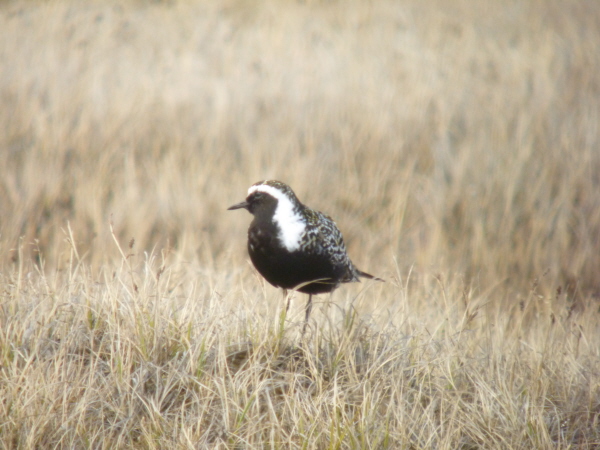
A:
293,246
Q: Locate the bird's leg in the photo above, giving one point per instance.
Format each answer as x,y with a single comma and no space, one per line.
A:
308,309
285,295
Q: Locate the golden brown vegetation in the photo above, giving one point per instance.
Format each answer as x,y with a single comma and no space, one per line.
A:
457,145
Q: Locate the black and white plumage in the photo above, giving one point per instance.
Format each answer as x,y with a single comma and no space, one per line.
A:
293,246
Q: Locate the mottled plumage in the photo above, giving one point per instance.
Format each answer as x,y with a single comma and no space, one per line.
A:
294,246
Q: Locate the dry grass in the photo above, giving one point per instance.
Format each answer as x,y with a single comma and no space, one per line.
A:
457,146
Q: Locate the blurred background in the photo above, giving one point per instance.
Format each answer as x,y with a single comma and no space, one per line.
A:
445,137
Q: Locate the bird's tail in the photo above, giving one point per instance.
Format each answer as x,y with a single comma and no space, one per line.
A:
368,275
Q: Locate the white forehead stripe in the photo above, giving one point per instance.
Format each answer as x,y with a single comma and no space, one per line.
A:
290,223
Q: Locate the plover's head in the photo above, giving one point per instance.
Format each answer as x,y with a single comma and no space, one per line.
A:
275,201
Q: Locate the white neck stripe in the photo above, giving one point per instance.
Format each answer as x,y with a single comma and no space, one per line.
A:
289,222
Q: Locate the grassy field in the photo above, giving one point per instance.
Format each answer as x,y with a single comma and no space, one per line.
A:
457,145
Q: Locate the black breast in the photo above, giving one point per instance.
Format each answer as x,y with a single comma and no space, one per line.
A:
289,270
